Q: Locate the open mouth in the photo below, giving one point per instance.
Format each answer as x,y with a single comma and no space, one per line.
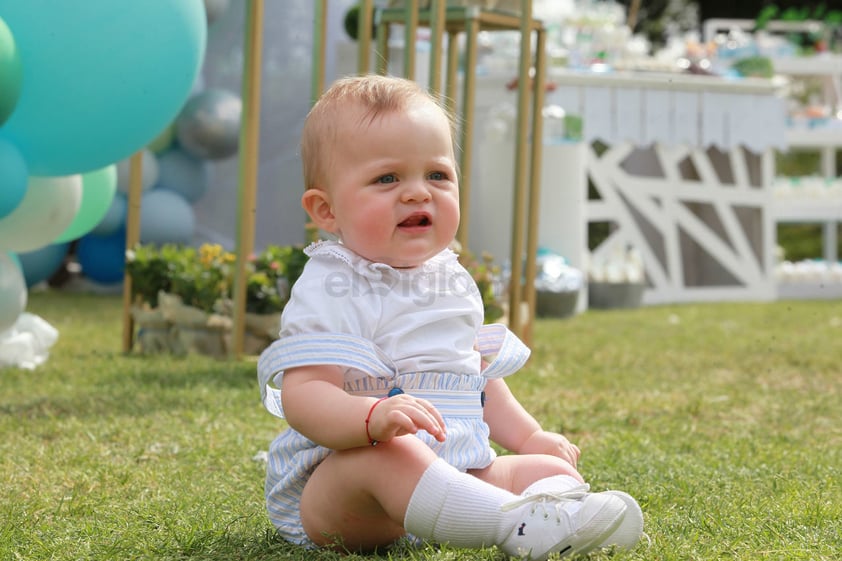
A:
416,221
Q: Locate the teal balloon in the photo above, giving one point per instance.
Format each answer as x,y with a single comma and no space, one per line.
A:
101,78
11,73
41,264
98,188
14,176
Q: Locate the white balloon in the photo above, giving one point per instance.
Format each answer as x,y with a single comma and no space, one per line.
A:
47,209
12,292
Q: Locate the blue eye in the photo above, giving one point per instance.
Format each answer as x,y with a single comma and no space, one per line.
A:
389,178
437,176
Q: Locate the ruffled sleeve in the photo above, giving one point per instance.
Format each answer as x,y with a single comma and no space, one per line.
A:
339,349
508,352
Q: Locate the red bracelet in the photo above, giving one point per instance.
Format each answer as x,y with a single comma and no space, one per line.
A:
368,418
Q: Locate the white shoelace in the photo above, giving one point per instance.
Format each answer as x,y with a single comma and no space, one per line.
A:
543,497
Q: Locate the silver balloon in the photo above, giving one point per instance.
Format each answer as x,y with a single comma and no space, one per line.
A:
214,9
209,125
13,294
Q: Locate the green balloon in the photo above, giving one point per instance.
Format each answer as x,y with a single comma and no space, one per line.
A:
10,72
98,188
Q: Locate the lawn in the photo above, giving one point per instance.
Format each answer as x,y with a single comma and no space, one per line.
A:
724,420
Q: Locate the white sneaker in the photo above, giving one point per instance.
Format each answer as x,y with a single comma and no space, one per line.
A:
550,518
630,530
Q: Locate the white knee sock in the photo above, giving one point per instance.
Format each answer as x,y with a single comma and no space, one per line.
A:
454,507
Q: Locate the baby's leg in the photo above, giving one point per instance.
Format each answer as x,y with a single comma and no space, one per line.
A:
356,499
517,472
368,497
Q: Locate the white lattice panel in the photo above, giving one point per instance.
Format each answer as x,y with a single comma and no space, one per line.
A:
700,218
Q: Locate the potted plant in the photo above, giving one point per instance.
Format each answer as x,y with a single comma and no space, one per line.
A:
487,276
182,296
200,288
271,275
150,269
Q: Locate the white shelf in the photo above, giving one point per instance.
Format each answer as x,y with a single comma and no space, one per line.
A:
827,140
825,64
827,137
807,210
809,291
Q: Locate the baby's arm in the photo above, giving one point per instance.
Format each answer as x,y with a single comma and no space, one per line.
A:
513,428
316,405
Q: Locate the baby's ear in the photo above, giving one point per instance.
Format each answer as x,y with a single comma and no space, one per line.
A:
317,204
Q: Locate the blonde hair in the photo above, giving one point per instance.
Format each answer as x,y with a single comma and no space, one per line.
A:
374,94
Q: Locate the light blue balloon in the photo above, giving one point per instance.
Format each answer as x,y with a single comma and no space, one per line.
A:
13,177
41,264
181,173
101,78
165,217
115,216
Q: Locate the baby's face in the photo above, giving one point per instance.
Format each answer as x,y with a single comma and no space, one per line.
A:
392,185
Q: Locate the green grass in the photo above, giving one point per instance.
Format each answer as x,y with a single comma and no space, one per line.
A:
724,420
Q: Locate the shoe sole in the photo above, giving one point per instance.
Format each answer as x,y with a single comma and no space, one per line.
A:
630,530
582,543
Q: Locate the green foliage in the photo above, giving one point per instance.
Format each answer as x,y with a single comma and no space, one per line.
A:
351,23
150,268
804,241
487,276
809,42
204,277
804,13
273,272
755,67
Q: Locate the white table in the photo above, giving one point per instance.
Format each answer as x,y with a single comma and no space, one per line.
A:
685,177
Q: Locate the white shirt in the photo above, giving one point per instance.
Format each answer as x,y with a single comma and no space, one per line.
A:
422,319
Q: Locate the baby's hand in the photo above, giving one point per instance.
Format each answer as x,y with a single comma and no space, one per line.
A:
554,444
403,414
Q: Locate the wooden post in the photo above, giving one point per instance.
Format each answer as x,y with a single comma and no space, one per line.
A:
382,62
317,78
249,154
521,164
132,239
467,131
534,213
437,15
452,72
410,31
364,37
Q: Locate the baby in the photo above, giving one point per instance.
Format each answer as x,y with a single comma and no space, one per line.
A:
391,385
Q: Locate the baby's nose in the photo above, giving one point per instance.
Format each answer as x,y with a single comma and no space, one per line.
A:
416,191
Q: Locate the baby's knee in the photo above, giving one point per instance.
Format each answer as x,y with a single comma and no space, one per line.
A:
534,467
403,450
